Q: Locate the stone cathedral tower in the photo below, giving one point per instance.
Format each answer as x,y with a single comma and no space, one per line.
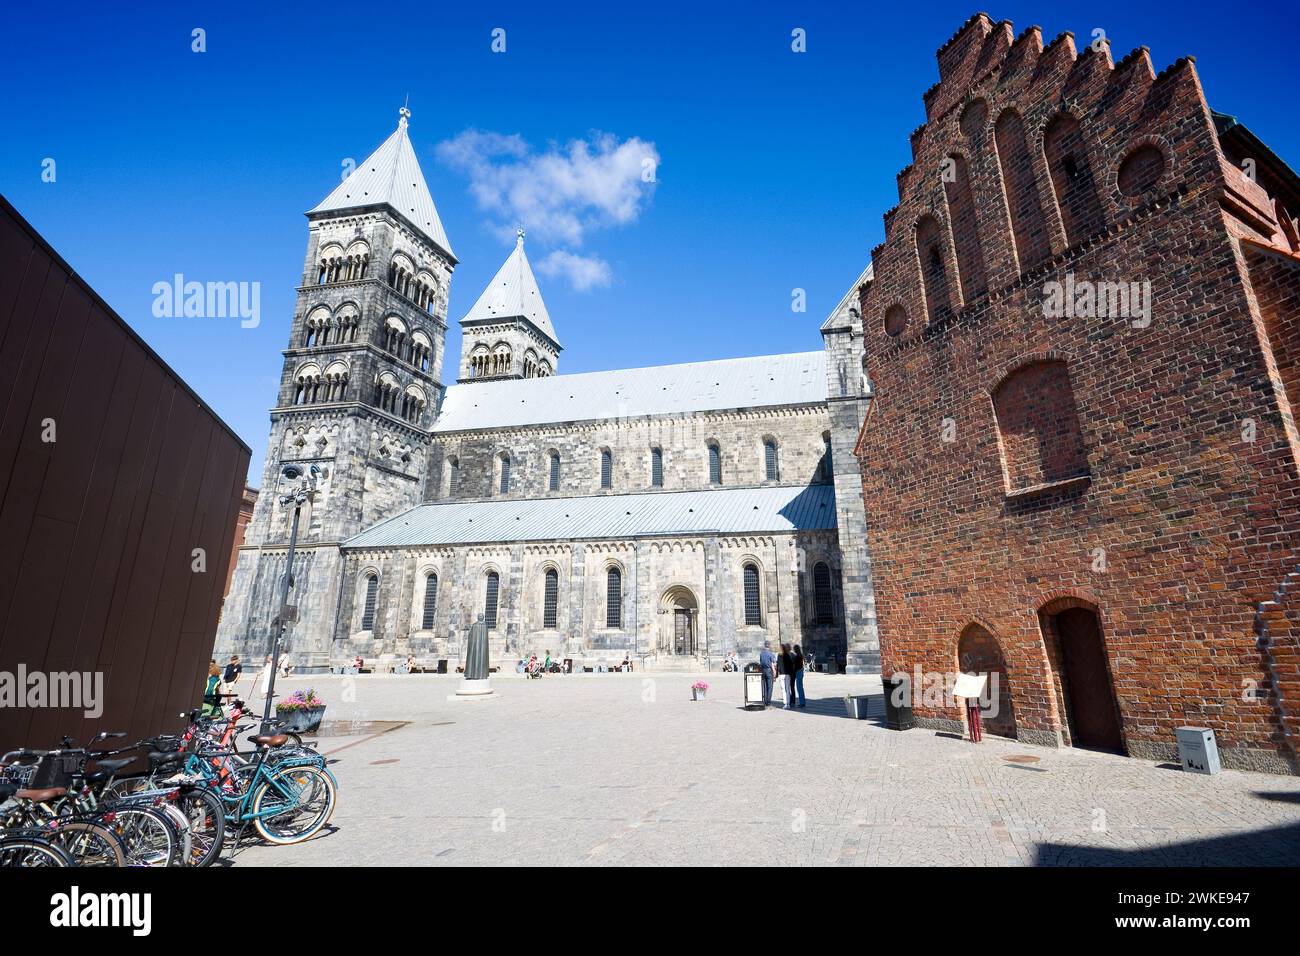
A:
508,333
358,392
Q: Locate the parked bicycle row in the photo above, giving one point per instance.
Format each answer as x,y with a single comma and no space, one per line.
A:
203,790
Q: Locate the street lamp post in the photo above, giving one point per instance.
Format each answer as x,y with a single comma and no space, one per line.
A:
301,491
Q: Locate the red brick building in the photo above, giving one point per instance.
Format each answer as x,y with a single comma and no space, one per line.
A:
1081,464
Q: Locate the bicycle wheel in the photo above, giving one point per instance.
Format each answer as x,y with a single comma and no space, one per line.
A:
297,801
148,836
207,819
32,852
89,844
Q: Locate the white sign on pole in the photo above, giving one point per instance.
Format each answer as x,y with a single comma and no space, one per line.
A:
970,686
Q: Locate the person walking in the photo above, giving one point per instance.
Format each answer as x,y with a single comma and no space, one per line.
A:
798,676
234,671
786,660
213,689
767,662
266,676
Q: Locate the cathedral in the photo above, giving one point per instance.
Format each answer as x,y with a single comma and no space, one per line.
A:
668,516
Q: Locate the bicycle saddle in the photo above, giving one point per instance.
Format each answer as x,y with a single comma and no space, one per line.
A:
112,766
269,740
158,758
40,796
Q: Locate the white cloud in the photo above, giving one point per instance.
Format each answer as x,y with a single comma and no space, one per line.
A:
562,193
582,272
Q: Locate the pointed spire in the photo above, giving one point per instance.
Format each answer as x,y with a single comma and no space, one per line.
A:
391,176
513,294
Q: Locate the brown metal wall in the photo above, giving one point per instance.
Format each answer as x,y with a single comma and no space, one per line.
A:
97,529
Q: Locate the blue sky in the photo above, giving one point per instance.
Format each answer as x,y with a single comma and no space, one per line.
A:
774,167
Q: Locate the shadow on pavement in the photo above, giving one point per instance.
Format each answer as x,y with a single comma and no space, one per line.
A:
1274,846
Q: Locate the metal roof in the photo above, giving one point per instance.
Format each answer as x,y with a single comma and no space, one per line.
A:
391,176
798,378
513,293
717,510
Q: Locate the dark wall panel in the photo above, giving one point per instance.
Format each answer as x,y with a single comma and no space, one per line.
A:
100,526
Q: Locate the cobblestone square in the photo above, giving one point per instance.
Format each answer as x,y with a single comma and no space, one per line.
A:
625,769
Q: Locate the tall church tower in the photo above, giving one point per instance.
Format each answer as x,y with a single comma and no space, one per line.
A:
358,393
508,332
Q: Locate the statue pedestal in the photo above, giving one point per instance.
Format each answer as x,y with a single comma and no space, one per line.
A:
473,689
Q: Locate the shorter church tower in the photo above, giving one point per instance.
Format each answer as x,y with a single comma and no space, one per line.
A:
508,332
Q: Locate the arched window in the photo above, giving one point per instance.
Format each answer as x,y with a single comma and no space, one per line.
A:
1072,179
753,610
1021,190
828,462
614,598
1038,427
934,277
307,385
554,484
505,474
490,600
430,600
715,465
453,476
657,467
606,469
965,229
769,460
550,597
822,593
368,609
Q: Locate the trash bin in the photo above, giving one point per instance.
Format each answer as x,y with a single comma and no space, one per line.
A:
442,665
1198,752
898,707
753,678
855,705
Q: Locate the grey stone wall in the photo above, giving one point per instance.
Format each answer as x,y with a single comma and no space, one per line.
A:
656,574
848,389
798,431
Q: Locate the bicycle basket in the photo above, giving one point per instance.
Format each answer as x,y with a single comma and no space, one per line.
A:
55,769
20,775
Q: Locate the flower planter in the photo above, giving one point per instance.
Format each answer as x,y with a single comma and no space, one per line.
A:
301,720
699,693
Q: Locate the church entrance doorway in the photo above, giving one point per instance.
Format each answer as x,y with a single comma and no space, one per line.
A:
683,632
679,609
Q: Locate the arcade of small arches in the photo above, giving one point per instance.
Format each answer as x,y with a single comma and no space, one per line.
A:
414,347
418,285
312,386
498,361
325,328
408,402
337,265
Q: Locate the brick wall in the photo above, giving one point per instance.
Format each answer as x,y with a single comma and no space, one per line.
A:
1143,473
